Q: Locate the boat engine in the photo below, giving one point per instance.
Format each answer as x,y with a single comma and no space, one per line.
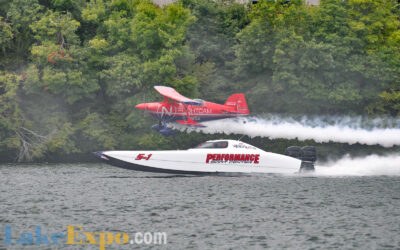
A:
307,155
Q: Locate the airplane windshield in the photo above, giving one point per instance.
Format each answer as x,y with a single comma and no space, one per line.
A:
217,144
201,102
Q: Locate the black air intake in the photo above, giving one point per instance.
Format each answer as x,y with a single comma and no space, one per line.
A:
293,151
306,153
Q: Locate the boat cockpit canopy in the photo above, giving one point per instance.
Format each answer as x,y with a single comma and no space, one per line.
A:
213,144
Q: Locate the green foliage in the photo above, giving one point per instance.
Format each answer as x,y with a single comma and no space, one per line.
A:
60,64
327,58
71,72
94,132
6,35
10,116
21,14
60,142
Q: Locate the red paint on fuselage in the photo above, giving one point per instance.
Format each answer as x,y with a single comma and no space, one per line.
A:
209,111
177,108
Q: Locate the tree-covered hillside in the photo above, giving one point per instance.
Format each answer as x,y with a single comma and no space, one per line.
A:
71,71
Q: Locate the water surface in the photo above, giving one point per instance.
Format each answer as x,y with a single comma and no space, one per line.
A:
206,212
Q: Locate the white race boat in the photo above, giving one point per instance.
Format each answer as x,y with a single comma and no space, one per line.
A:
214,157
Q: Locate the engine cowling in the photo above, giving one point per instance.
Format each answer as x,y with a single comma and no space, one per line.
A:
294,151
307,155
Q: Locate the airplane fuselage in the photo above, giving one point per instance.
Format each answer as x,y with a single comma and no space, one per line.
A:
171,111
190,112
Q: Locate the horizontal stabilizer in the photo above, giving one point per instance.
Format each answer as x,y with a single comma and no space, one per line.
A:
191,123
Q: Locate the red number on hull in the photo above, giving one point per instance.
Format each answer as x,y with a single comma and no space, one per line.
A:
143,156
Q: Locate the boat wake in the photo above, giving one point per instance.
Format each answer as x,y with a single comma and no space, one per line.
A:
371,165
383,131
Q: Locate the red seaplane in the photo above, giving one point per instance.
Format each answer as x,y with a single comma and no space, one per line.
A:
188,112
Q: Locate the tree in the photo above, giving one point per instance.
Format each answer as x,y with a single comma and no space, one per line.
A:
60,64
21,14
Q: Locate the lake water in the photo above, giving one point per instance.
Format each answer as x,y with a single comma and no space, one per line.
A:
209,212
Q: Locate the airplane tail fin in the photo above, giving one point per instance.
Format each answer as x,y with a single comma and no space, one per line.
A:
239,103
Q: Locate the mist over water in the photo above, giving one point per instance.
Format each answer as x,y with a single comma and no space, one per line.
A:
381,131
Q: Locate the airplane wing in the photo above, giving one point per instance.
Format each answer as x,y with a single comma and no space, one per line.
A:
191,123
174,95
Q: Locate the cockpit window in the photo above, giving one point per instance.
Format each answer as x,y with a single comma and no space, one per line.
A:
201,102
216,144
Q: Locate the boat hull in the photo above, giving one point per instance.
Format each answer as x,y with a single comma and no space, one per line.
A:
132,166
202,161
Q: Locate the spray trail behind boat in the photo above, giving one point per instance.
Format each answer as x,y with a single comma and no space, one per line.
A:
351,130
388,165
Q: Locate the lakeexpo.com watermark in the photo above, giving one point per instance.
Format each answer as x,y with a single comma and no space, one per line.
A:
75,235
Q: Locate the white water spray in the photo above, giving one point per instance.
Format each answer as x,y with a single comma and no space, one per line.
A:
382,131
361,166
351,130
